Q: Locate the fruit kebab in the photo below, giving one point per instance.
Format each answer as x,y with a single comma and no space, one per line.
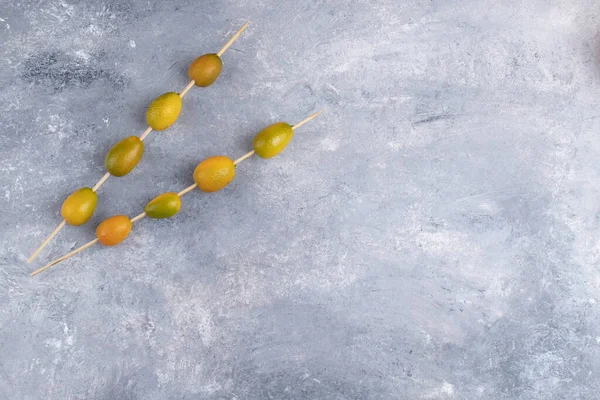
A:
122,158
211,175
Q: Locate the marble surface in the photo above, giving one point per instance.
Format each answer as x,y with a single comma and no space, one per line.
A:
433,235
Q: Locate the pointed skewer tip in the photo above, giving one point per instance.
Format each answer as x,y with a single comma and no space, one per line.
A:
46,241
59,259
233,39
305,120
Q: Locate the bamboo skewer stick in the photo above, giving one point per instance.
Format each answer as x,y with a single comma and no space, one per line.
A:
142,215
45,242
233,39
101,181
142,137
145,133
77,250
187,190
187,88
242,158
305,120
138,217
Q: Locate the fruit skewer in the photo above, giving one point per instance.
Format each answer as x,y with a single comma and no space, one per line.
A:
211,175
162,112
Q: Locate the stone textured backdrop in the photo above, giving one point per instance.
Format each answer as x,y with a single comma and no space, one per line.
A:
433,235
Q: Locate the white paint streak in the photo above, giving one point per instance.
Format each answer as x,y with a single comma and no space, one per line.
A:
330,144
445,391
83,55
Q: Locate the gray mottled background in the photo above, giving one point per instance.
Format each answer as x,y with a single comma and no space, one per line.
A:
433,235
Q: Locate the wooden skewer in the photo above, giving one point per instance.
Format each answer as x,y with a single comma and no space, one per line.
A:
45,267
45,242
242,158
101,181
305,120
142,215
142,137
187,88
145,133
233,39
187,190
138,217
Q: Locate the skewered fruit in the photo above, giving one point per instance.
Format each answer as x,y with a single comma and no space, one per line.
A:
113,230
163,206
78,208
205,69
214,173
272,140
124,156
160,114
163,111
